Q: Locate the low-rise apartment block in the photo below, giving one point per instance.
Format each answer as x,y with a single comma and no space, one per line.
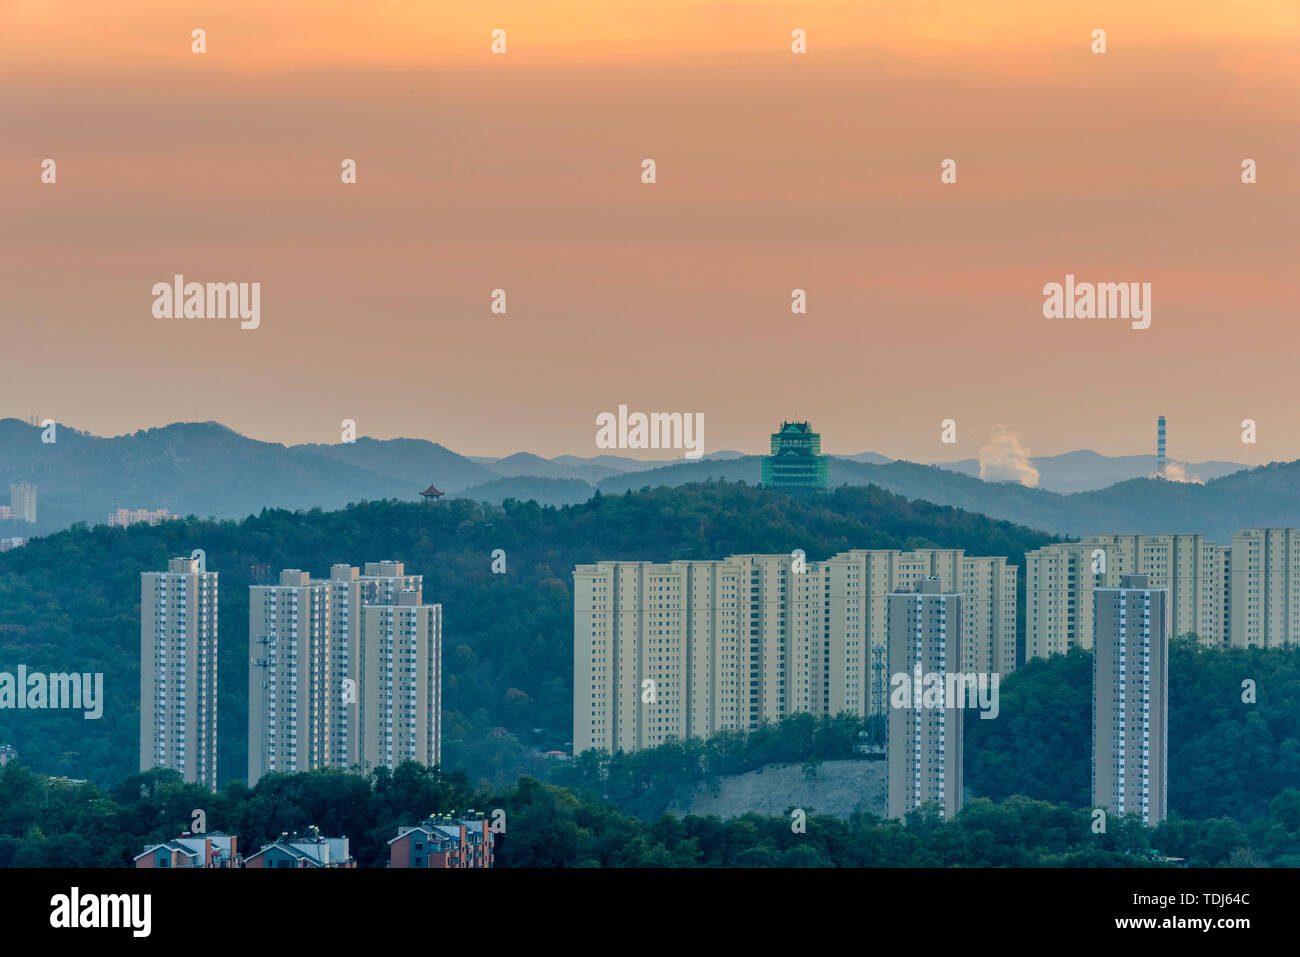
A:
193,850
305,851
443,841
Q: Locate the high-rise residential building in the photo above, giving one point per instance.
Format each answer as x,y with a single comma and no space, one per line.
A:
1060,580
925,737
314,694
6,513
988,613
1227,598
297,641
692,648
381,582
1057,578
22,502
796,461
1190,567
988,587
126,517
1265,587
178,669
399,672
1130,699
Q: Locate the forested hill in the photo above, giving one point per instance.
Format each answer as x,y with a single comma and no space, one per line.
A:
70,601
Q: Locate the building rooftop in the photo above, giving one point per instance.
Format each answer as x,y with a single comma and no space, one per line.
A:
169,845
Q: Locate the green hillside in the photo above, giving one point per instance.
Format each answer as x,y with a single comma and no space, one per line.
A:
71,601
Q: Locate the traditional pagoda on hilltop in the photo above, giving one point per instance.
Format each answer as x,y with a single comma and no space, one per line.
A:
796,461
431,494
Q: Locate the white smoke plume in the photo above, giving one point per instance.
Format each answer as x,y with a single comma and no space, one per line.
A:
1177,472
1005,458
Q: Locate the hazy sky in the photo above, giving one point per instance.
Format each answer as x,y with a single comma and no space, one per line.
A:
775,171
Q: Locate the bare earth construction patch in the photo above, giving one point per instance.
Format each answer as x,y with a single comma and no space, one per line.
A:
840,788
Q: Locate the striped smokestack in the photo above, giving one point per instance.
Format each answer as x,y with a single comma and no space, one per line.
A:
1160,446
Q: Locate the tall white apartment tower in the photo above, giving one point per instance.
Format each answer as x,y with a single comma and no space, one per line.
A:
376,583
1130,699
297,709
925,742
178,669
22,499
398,667
313,694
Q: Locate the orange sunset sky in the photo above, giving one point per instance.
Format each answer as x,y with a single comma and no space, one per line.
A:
776,171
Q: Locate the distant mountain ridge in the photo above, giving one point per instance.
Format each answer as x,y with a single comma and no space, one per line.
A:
1085,470
207,469
1268,495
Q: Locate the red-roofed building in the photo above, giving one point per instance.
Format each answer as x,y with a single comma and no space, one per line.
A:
443,842
192,850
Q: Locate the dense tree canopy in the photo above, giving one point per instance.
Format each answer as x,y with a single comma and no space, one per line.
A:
1227,756
48,823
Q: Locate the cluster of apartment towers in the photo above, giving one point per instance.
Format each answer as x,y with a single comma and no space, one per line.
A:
343,672
729,644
